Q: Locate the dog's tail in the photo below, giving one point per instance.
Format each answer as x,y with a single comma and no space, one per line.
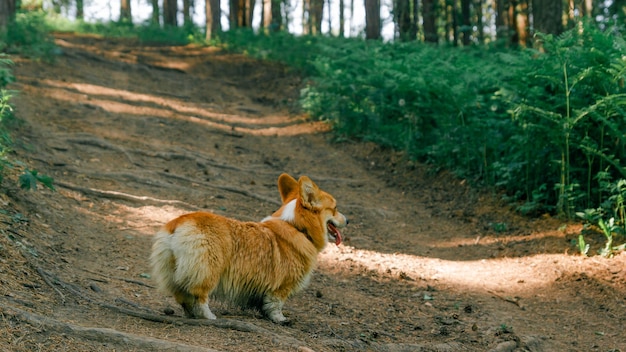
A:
181,262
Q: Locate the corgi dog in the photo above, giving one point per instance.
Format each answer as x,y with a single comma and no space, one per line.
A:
251,264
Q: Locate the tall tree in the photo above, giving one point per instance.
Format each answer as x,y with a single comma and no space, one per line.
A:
429,15
402,17
372,19
342,18
156,13
170,12
478,16
241,13
502,23
187,6
547,16
125,12
466,24
7,13
316,14
277,16
80,10
212,12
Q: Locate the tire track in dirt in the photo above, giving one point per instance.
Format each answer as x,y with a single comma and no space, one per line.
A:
136,135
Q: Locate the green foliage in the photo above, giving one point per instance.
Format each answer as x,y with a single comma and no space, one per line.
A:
28,35
613,229
6,77
30,178
571,100
544,126
148,33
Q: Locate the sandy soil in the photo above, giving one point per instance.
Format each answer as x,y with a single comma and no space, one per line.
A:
135,135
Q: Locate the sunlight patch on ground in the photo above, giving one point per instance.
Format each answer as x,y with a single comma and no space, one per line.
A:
505,239
146,219
517,276
174,110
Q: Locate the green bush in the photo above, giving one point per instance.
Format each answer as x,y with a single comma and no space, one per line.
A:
28,35
546,127
6,77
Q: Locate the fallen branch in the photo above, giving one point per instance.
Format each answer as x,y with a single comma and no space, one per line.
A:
103,335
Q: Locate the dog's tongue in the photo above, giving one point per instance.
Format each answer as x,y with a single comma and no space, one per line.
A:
334,230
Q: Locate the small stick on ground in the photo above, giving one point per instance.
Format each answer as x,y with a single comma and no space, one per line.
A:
44,276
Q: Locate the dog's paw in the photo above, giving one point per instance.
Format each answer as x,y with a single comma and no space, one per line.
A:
286,322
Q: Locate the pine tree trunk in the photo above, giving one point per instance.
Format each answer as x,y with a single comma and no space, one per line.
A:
7,13
212,13
402,16
170,11
466,23
316,13
429,15
342,19
125,12
372,19
187,4
156,13
80,10
277,16
547,16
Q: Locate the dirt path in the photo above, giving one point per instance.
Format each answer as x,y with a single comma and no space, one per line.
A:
136,135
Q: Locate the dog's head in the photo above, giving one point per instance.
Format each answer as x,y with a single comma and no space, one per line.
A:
310,210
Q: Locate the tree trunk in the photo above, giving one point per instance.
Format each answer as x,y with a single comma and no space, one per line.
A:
316,13
125,12
415,8
80,10
170,11
156,13
502,23
478,14
588,8
277,16
241,13
402,16
7,13
342,19
429,15
466,24
187,5
372,19
329,17
212,13
547,16
522,22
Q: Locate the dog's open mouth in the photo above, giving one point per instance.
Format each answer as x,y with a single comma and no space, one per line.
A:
333,233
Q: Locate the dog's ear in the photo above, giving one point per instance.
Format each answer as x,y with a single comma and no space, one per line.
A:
287,186
309,192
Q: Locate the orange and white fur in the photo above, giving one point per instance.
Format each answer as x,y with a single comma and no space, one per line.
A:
252,264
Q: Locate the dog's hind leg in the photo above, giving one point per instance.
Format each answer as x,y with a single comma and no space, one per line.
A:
273,309
194,306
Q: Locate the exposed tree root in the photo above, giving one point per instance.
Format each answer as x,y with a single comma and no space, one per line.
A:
97,142
122,196
103,335
222,188
218,323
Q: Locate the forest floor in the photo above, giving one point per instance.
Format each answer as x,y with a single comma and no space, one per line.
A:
137,134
